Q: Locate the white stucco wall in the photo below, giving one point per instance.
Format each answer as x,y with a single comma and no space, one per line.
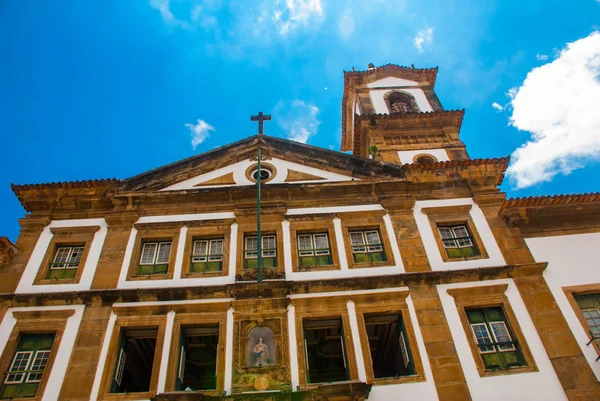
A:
408,156
26,284
63,355
541,386
436,262
572,260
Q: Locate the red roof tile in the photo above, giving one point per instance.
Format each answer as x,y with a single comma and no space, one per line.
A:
549,200
66,184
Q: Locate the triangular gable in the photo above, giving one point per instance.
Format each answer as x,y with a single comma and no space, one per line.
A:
284,172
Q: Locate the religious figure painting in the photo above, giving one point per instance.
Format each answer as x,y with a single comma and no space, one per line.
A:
260,349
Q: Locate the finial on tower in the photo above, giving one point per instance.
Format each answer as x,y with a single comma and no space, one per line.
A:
371,66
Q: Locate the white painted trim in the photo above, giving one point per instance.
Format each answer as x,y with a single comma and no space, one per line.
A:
436,262
287,248
541,385
293,344
341,246
26,284
387,220
239,175
229,352
360,360
185,217
346,293
164,361
408,156
178,281
167,303
103,355
65,348
333,209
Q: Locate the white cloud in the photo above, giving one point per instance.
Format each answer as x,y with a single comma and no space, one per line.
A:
297,118
542,57
424,39
164,6
292,13
558,104
497,107
199,131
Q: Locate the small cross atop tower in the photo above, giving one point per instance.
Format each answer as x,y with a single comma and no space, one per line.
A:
260,118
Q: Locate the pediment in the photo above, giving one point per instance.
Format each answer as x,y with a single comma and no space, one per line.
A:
239,174
290,162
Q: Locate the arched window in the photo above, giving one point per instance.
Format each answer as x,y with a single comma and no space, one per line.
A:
400,102
424,159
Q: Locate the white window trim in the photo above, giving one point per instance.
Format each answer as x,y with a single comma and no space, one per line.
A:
313,251
479,346
23,372
480,224
263,250
68,259
33,362
500,347
158,244
26,285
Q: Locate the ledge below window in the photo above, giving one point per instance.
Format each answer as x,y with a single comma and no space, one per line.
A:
340,392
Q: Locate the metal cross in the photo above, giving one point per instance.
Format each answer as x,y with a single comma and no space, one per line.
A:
260,118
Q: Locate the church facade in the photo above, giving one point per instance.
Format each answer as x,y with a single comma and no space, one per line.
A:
397,272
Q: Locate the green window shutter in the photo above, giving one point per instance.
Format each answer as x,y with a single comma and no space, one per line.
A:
120,365
404,348
181,365
28,366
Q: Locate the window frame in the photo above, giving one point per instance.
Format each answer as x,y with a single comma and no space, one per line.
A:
264,237
572,293
313,224
313,249
132,322
208,230
202,315
388,304
66,237
305,309
491,296
154,233
35,322
367,221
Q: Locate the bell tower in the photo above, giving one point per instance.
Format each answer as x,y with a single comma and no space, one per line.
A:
395,110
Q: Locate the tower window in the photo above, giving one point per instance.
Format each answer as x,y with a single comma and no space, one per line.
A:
400,102
425,159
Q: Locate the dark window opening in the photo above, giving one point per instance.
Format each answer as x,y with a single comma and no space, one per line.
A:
198,350
388,345
399,102
135,358
265,174
325,350
426,160
27,367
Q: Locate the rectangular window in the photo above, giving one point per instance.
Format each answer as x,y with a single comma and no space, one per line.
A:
367,246
65,262
590,308
390,354
268,251
497,345
154,258
135,359
27,367
458,241
325,350
314,250
207,255
198,351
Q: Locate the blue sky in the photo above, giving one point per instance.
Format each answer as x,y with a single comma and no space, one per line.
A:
111,88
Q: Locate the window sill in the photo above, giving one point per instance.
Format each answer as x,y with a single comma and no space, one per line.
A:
315,268
127,396
366,265
448,259
508,371
203,274
56,281
419,377
156,276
